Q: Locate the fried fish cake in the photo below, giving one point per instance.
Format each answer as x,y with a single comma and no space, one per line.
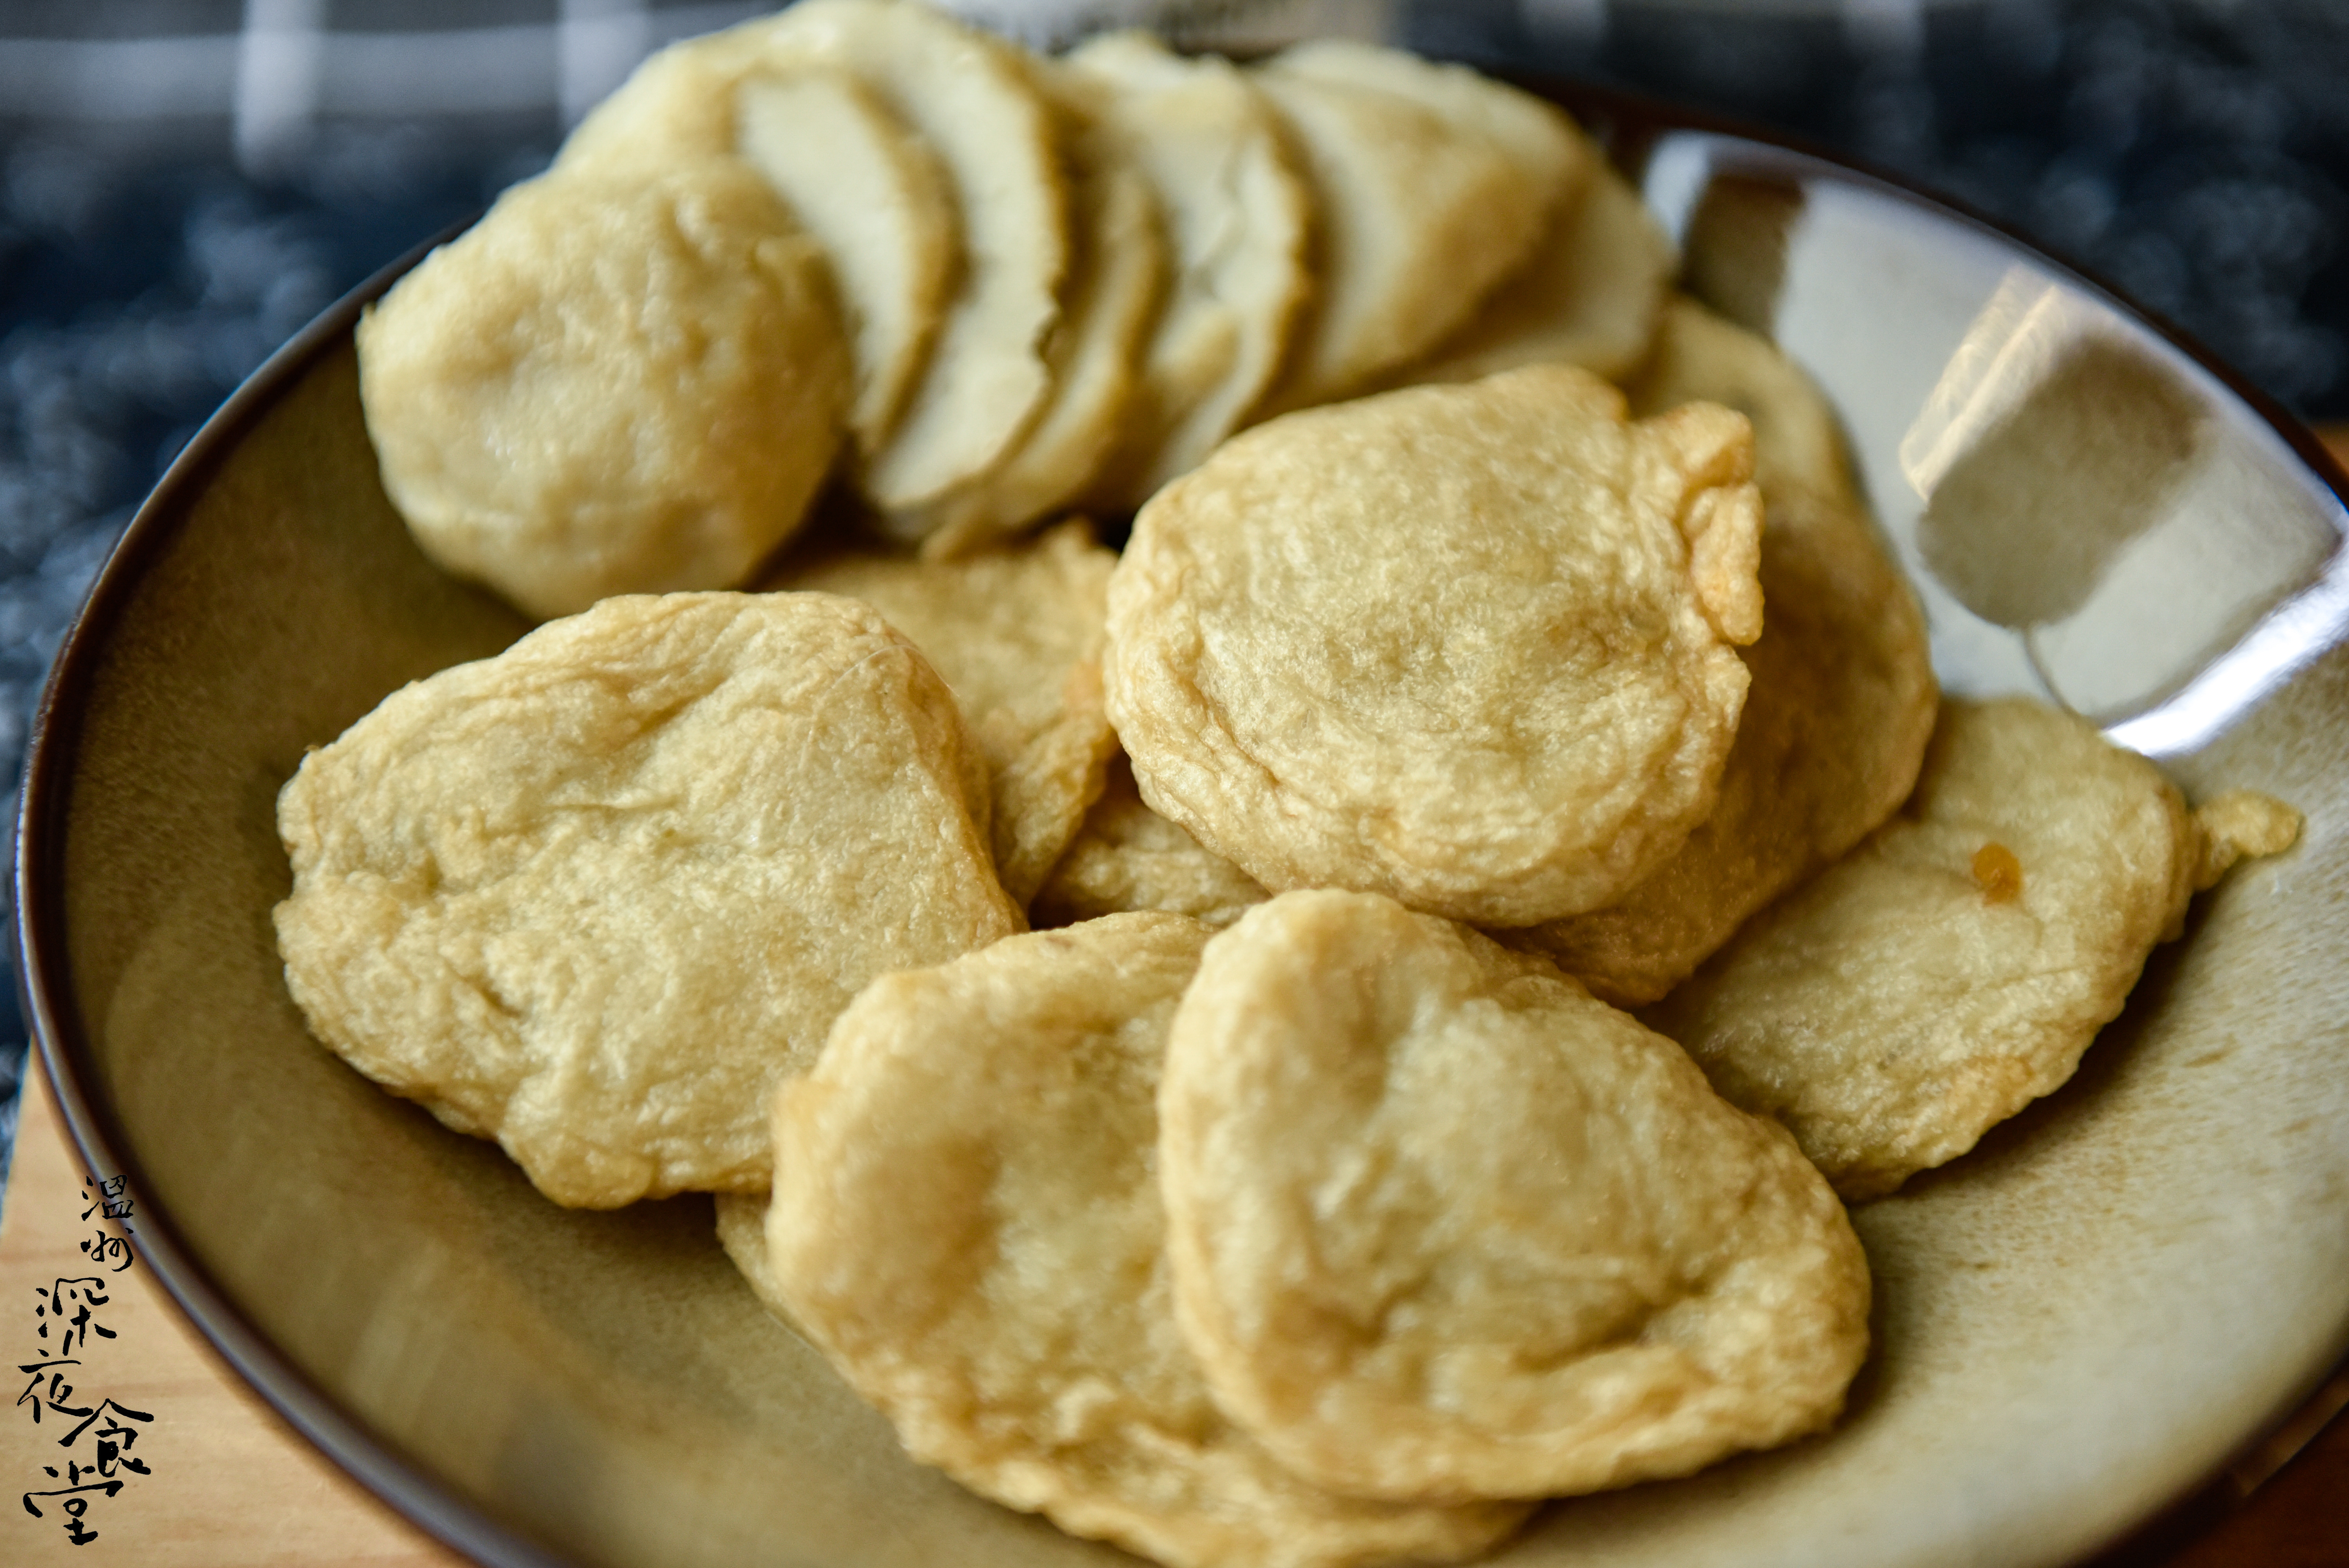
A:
966,1222
1018,633
1127,857
1843,696
609,386
1954,967
1467,645
1444,1226
593,897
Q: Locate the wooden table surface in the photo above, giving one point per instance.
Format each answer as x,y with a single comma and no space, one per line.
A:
230,1485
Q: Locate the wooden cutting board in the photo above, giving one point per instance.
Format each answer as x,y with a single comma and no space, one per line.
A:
230,1485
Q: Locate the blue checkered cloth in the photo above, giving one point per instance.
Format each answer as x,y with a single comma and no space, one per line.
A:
184,183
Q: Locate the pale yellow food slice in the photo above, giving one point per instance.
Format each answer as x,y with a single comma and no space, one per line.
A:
1536,136
1423,206
609,385
1017,632
971,97
873,195
1443,1226
1467,645
1954,967
862,184
1590,296
1127,857
1843,696
1117,283
966,1222
596,896
1238,213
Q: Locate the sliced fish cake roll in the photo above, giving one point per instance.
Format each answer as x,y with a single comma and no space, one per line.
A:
1117,283
1421,213
971,97
859,181
1239,213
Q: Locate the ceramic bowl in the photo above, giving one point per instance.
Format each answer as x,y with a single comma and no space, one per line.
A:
2113,1295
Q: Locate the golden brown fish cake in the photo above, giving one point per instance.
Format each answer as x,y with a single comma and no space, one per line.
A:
1018,633
1953,968
595,896
854,175
1468,646
967,1222
1118,281
1444,1226
621,386
1127,857
1843,696
1591,295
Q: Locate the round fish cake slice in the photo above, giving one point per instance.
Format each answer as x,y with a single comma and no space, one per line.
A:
862,184
1443,1226
972,99
595,896
1127,857
1955,967
1421,211
1843,696
966,1222
619,385
1536,136
1118,281
1466,645
1591,296
1239,213
1018,633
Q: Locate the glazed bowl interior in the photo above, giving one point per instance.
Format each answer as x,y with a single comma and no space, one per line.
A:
2074,1325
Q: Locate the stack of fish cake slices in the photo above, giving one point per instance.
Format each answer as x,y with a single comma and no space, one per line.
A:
1067,280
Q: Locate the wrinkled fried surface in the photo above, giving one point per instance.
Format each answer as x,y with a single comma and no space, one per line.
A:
966,1222
1018,633
609,386
1843,696
1444,1226
595,896
1928,986
1127,857
1468,646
